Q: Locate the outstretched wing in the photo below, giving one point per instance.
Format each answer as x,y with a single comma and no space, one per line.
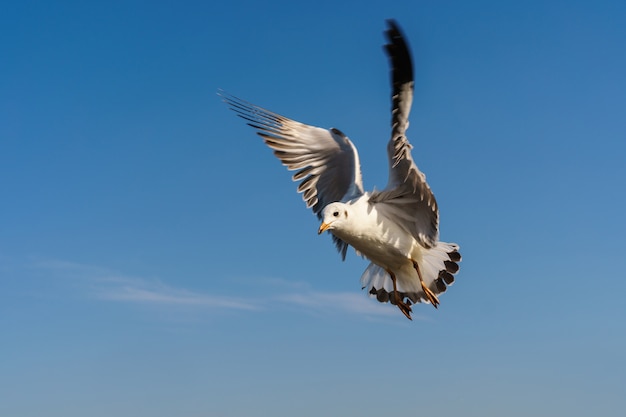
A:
407,199
326,161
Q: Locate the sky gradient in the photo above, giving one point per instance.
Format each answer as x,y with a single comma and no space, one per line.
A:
156,260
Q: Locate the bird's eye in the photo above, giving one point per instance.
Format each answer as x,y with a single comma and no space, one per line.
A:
336,214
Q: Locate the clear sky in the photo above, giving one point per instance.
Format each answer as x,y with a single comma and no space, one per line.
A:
155,259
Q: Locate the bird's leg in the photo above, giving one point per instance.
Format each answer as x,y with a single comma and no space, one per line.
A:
429,294
404,307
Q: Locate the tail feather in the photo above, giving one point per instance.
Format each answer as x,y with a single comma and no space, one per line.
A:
437,266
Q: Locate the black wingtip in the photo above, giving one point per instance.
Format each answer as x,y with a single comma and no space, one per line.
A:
397,49
393,25
393,32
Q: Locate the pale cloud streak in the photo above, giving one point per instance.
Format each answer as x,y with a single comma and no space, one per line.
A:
108,285
172,296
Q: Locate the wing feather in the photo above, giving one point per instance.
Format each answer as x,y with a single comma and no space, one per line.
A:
407,199
327,161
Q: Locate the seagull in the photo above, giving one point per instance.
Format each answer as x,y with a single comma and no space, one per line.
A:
397,228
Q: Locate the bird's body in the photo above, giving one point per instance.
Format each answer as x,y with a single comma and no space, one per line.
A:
397,228
384,243
396,256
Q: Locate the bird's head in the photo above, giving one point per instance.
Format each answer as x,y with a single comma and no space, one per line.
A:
334,217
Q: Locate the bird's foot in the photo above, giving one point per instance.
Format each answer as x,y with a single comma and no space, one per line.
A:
404,307
430,295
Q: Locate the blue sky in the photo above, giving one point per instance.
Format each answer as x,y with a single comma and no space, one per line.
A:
155,259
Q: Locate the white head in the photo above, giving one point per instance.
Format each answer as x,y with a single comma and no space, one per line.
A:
334,216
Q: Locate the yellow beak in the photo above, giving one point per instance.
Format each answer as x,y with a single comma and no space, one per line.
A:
323,228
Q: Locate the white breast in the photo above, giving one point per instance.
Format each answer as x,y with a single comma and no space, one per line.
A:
376,237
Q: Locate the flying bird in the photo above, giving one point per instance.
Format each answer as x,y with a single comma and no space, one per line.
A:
396,228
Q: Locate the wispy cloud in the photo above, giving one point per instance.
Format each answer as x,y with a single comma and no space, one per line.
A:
108,285
172,296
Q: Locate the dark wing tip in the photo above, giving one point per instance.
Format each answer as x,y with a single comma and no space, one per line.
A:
394,28
398,51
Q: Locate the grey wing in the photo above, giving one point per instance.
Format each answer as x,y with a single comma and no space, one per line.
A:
326,161
407,199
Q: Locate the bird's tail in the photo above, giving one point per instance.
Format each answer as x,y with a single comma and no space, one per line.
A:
437,266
